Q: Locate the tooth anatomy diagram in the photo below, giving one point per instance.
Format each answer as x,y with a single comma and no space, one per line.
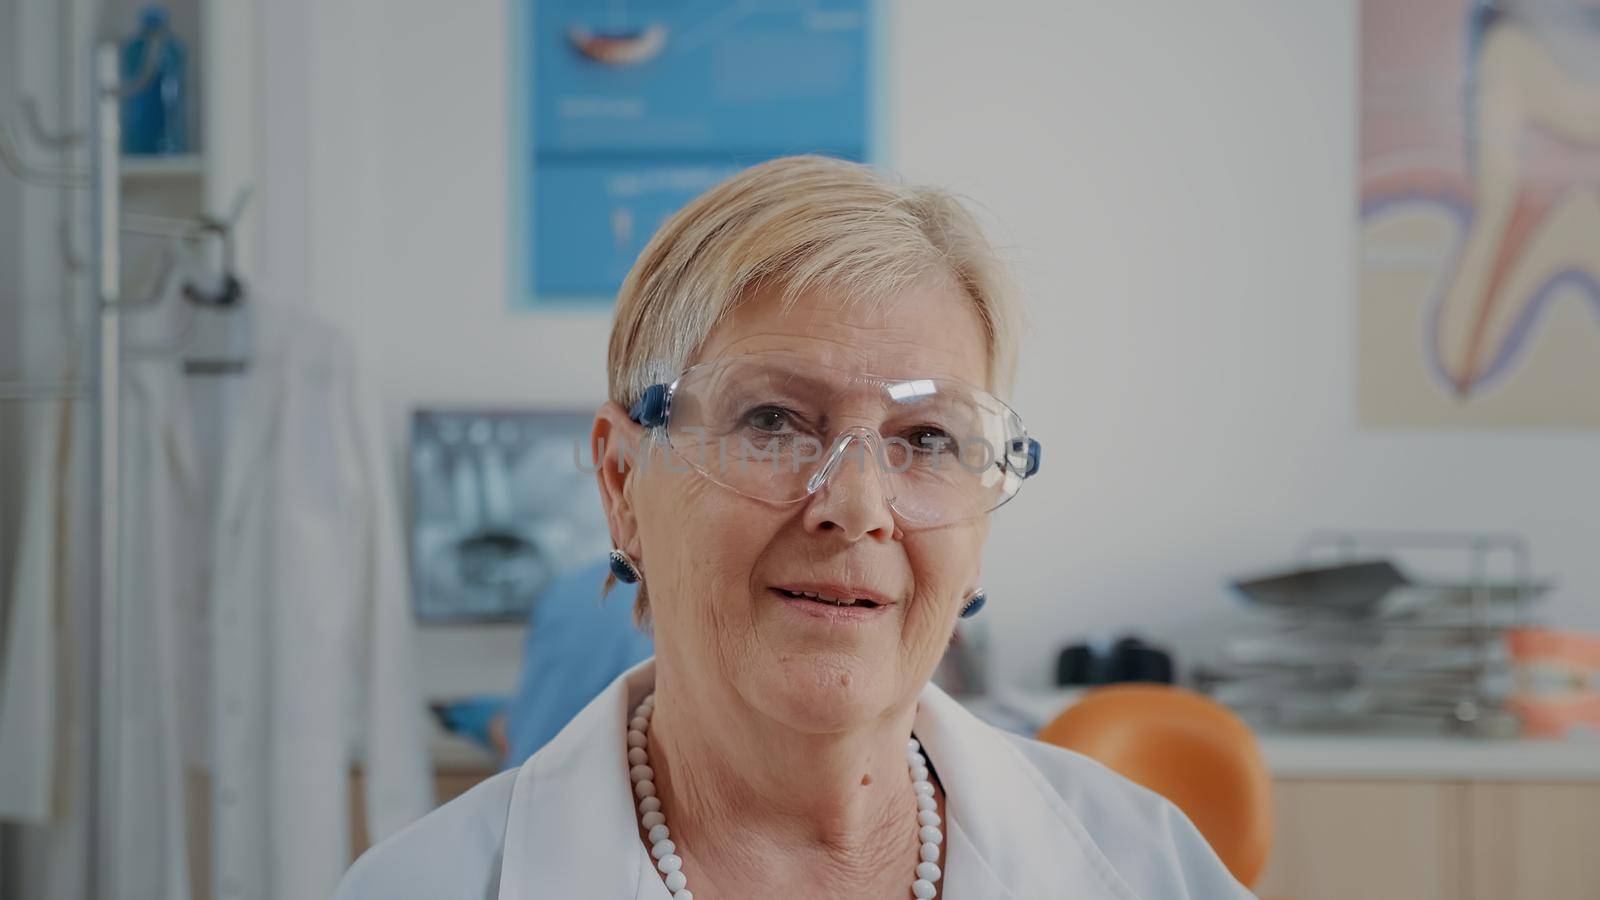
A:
1481,165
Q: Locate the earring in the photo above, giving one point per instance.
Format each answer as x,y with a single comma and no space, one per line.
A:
623,567
974,603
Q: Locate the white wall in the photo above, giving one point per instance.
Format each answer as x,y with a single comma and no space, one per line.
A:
1175,182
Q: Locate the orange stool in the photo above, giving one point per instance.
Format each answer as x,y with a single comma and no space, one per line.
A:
1188,748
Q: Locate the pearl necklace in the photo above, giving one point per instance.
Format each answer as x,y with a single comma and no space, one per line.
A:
664,851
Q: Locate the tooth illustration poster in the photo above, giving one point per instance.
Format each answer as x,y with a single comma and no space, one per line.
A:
1479,241
623,110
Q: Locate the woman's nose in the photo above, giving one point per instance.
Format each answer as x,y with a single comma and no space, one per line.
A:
848,490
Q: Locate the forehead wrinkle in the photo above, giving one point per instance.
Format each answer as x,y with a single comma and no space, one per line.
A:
910,357
926,333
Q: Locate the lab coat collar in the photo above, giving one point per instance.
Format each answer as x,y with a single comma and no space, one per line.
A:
571,830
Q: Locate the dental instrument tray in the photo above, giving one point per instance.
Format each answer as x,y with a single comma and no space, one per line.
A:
1369,628
1352,589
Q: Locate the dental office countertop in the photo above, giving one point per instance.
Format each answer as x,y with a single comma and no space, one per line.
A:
1293,756
1374,758
1356,756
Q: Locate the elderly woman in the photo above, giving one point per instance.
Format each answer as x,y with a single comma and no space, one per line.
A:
802,447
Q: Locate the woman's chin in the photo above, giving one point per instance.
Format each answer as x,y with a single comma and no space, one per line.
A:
819,696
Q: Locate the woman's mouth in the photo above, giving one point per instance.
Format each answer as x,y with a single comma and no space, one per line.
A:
824,598
836,604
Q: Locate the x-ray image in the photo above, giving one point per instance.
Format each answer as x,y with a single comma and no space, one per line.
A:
499,506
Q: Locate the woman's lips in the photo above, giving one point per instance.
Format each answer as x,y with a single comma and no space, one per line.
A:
829,591
829,611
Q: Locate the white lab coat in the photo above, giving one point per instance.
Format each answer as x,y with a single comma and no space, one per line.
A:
161,589
1024,820
33,696
44,679
311,639
265,622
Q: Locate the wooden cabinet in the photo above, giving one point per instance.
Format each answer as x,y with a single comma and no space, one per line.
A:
1335,840
1434,840
1532,840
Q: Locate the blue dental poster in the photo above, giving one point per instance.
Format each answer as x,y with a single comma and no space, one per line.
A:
625,110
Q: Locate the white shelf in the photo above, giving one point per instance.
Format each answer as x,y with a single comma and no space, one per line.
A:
187,166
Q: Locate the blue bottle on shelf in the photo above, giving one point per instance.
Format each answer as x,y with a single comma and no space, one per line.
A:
155,116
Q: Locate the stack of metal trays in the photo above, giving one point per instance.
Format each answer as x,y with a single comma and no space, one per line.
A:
1360,645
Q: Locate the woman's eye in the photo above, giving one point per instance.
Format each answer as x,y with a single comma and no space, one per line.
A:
930,438
768,418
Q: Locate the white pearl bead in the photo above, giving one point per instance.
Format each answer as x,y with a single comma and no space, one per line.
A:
650,804
928,871
642,772
644,789
926,801
922,889
639,723
676,881
917,759
636,739
928,817
683,895
658,833
920,773
637,757
663,848
923,787
912,746
930,852
652,819
672,862
930,835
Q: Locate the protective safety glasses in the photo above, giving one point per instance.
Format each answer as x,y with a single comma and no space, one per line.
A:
775,429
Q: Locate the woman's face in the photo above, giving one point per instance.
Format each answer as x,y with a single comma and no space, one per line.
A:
714,560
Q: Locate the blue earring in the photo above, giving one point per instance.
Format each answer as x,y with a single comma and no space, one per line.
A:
974,603
622,566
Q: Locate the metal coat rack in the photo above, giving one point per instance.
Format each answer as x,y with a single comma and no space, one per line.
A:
103,262
228,295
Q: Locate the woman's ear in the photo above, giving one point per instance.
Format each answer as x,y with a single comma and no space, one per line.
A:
615,447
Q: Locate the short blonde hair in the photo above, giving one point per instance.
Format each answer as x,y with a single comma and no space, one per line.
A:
801,223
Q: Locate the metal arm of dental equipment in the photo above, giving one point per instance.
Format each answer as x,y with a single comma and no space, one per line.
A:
221,228
42,135
43,176
231,293
13,159
226,297
65,139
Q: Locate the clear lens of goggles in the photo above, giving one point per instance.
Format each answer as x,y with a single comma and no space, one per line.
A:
942,450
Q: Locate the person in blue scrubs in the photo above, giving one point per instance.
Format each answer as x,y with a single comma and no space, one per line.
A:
577,643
